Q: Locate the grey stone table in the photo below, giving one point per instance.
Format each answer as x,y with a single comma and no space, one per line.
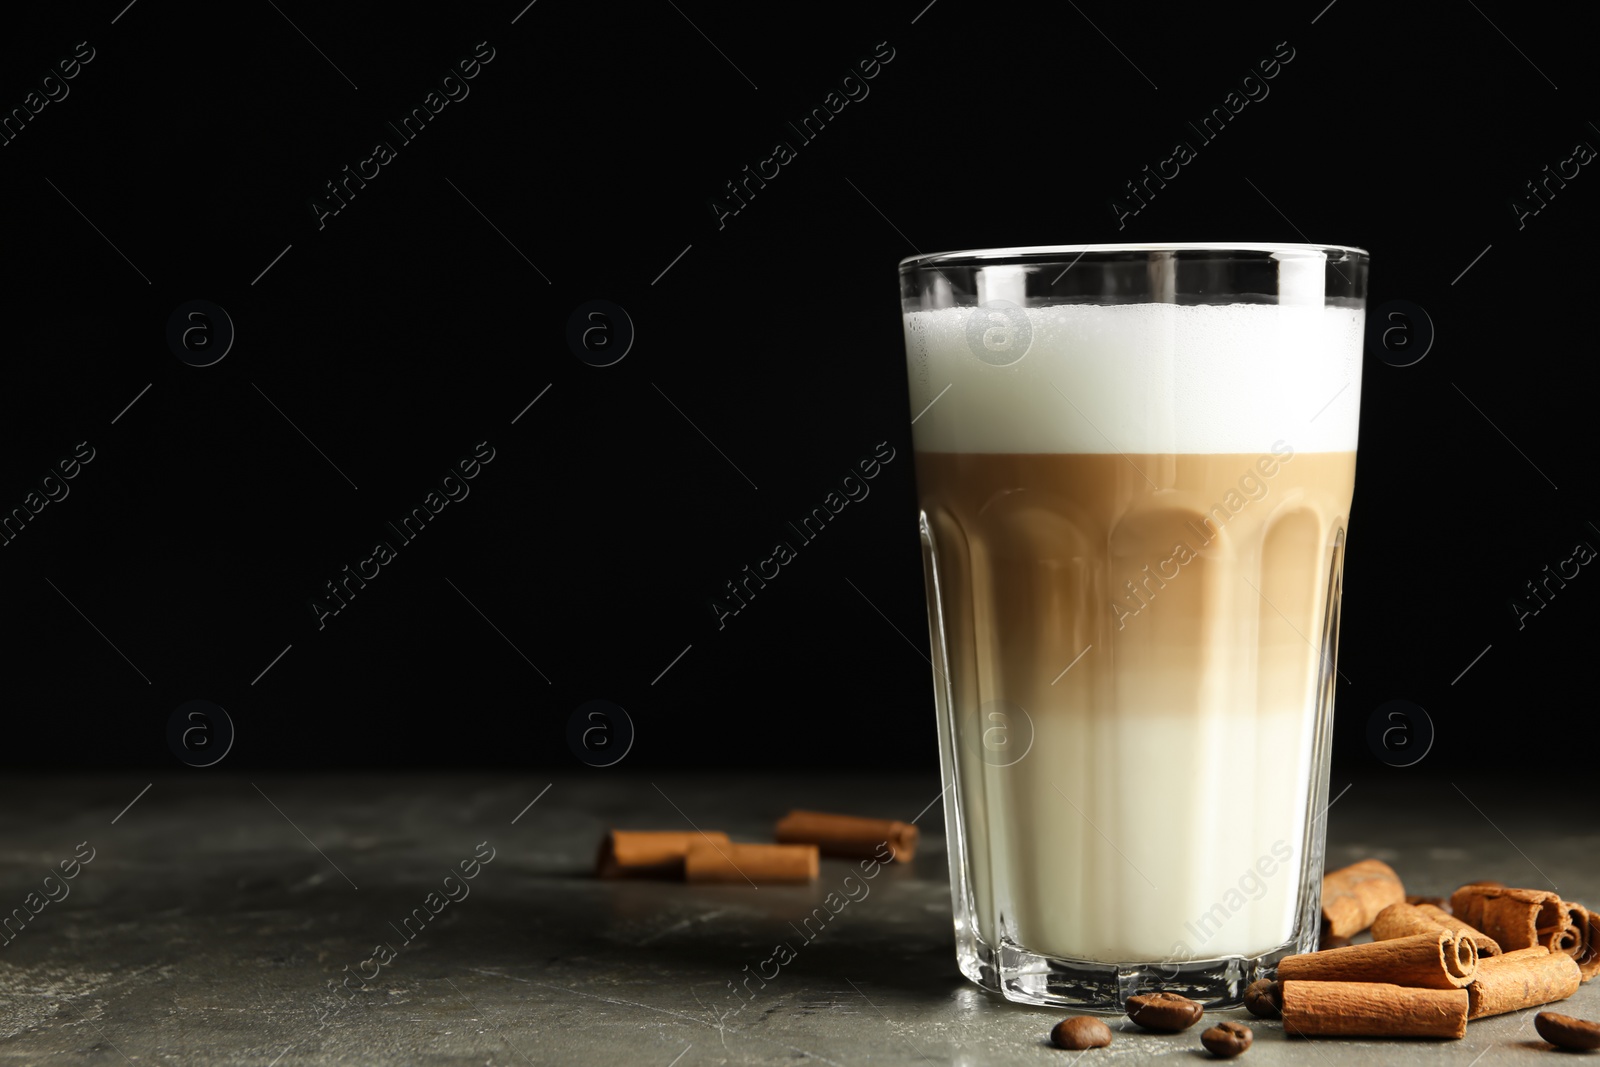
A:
216,915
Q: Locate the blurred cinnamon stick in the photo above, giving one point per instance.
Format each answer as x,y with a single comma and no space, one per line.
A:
648,853
756,864
849,836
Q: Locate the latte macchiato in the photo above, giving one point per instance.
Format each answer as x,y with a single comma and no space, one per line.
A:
1134,521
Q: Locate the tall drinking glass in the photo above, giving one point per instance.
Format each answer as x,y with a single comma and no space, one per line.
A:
1135,466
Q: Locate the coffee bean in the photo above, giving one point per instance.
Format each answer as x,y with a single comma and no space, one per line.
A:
1227,1040
1167,1012
1264,999
1564,1031
1081,1031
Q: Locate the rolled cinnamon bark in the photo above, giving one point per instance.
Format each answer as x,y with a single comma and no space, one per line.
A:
849,836
1588,957
1567,933
1352,896
1372,1009
1405,920
1521,978
1514,918
758,864
1437,960
648,853
1522,918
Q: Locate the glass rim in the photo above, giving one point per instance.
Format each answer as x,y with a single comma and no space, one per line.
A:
1026,254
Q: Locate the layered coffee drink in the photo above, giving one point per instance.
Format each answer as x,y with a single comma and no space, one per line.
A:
1133,518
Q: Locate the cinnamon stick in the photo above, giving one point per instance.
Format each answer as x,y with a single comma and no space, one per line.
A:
756,864
1528,917
1567,936
1514,918
648,853
1404,920
1588,956
1522,978
849,836
1437,960
1372,1009
1352,896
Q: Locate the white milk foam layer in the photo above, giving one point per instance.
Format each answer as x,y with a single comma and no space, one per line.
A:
1137,378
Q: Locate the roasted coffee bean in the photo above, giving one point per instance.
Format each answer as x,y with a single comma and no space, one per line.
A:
1227,1040
1080,1031
1564,1031
1167,1012
1264,999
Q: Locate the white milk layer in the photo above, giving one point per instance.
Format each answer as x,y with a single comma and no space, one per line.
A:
1137,378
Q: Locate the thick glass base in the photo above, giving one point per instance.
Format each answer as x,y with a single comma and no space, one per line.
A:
1028,978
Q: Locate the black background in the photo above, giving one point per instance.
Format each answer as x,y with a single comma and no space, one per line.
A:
414,324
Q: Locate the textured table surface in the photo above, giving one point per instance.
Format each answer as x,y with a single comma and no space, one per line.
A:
219,911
